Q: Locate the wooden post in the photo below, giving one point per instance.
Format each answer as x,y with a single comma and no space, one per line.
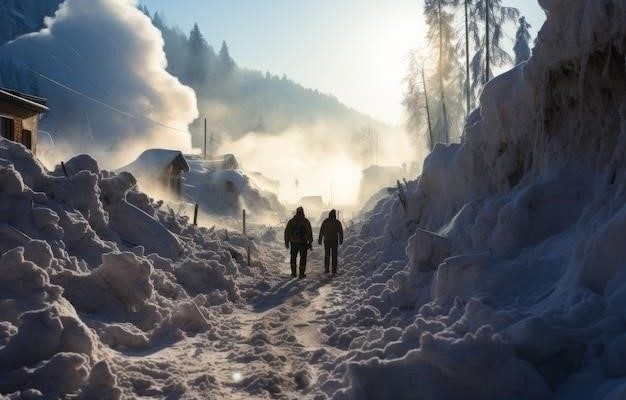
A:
64,170
244,221
195,215
205,138
248,254
401,195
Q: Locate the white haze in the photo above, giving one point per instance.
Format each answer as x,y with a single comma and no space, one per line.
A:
321,156
110,51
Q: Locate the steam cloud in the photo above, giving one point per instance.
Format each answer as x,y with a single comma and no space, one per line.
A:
319,156
110,51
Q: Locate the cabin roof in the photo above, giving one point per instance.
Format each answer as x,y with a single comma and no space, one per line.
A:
29,105
155,161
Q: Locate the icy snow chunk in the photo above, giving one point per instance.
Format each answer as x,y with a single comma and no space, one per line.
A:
101,384
81,192
44,217
39,252
140,229
62,373
127,277
123,336
204,276
10,181
187,317
427,249
81,162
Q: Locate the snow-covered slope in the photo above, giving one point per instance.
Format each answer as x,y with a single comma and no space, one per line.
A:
18,17
505,278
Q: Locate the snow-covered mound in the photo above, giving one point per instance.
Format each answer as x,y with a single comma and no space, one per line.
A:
505,276
90,268
224,191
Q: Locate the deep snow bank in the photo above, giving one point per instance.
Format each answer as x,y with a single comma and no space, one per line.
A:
89,265
513,280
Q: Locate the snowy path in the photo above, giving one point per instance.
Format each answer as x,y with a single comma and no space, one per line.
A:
272,348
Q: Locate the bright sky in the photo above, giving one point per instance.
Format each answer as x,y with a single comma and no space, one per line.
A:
353,49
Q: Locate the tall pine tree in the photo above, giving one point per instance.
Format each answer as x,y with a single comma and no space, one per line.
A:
441,40
226,63
486,23
198,63
522,40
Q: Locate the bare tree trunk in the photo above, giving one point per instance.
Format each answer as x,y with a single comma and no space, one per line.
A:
467,66
487,40
440,73
430,128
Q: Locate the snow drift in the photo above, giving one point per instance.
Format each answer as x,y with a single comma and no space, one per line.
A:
109,51
505,275
90,268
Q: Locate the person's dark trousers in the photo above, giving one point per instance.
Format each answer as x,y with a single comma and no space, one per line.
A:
298,248
330,251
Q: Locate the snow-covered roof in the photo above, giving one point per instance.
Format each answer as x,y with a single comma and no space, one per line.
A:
28,105
155,161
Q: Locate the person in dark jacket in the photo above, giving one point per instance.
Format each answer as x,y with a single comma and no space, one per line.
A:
331,233
299,236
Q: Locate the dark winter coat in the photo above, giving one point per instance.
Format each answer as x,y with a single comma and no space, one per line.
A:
331,230
299,230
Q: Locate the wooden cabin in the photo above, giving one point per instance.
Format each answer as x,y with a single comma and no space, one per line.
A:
19,117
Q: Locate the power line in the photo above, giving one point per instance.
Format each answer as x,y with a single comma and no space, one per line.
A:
103,104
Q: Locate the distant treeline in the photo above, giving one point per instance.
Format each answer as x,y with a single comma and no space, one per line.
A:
237,100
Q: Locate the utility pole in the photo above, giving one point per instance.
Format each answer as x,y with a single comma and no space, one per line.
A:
244,221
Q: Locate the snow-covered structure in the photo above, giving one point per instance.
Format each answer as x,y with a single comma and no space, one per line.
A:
160,167
225,161
19,117
220,191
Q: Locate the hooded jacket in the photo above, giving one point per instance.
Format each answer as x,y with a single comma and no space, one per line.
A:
331,230
298,229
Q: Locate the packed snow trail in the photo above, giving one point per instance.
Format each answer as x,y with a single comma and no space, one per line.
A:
271,348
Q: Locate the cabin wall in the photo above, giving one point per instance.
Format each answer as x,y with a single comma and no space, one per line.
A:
17,130
24,130
32,125
21,125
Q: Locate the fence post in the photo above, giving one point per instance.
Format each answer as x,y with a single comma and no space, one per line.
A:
248,254
244,221
195,215
401,195
64,170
